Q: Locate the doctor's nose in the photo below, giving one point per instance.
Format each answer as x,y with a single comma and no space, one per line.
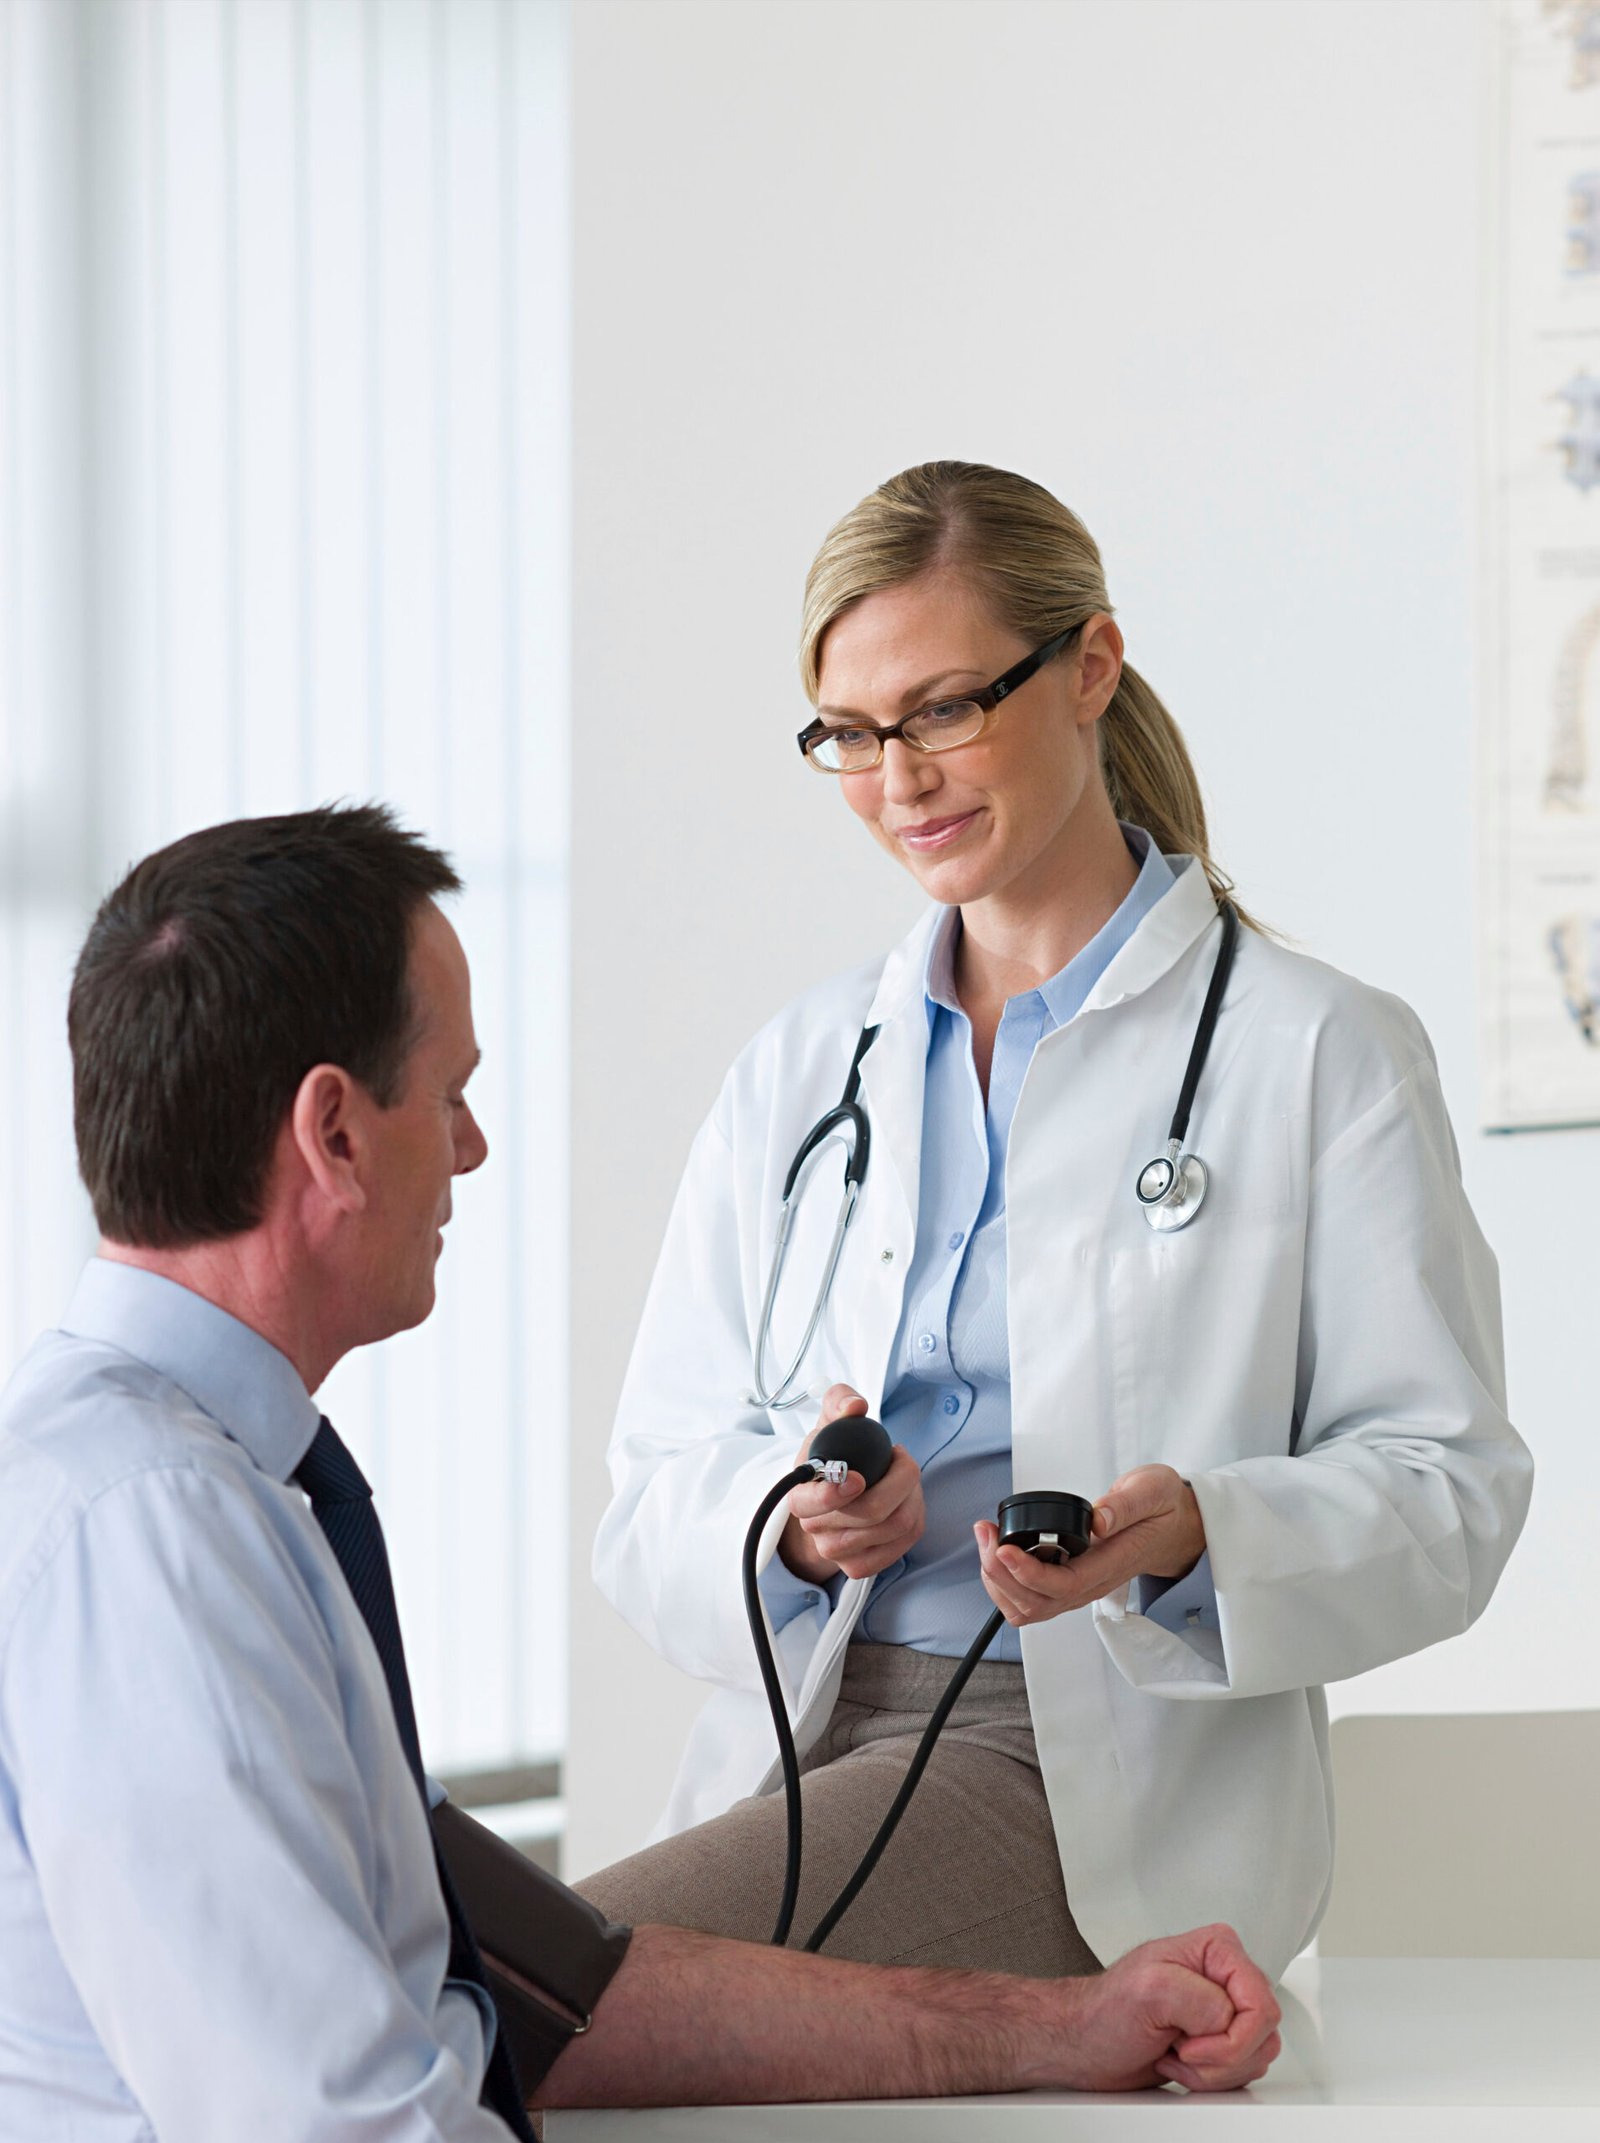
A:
907,774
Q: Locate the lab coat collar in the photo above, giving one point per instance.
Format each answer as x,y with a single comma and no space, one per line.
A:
894,1070
904,972
1162,938
1178,919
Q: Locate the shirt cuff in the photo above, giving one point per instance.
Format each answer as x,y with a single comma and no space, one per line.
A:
788,1597
1179,1604
468,2023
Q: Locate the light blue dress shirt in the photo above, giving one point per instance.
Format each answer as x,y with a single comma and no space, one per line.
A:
948,1390
220,1920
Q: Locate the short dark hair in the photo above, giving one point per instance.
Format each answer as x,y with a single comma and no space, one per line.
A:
215,976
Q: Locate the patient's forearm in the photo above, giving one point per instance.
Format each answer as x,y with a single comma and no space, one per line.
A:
694,2020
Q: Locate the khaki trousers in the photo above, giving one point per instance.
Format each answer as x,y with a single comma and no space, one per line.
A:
971,1877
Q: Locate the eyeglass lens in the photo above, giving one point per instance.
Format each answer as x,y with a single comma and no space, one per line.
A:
931,729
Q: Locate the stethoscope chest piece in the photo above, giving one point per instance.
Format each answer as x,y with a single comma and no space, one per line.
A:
1172,1188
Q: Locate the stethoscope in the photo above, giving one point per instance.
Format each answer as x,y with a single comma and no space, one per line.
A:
1170,1189
847,1115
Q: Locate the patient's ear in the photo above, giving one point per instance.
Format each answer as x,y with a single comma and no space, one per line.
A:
328,1125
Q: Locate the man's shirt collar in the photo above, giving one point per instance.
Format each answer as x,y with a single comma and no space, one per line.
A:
253,1392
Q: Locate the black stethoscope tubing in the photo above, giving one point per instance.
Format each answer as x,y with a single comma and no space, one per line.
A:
846,1115
1171,1189
846,1111
1200,1049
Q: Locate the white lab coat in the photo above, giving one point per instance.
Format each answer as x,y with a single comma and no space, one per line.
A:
1319,1352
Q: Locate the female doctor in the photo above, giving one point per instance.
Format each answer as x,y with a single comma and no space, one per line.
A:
1288,1406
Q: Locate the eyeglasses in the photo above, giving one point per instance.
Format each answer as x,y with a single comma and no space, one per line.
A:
839,748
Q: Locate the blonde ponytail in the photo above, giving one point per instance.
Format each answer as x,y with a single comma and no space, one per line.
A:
1039,569
1150,777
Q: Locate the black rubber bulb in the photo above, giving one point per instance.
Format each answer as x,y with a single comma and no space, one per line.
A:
860,1441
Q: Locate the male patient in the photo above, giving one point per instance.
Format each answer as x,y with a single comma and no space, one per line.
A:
226,1915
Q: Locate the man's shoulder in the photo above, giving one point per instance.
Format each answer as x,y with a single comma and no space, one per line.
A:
77,1419
87,1412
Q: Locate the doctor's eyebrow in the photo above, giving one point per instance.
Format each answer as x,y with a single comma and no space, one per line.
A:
913,696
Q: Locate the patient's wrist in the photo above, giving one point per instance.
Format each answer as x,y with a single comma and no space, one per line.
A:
1052,2024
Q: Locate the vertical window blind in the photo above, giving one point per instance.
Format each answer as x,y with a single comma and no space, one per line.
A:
283,519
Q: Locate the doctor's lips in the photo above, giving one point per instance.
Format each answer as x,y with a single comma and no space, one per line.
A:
934,833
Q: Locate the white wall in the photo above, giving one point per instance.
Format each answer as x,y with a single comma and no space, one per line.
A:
1210,271
283,518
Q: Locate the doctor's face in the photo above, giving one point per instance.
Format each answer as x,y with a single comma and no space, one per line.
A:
994,817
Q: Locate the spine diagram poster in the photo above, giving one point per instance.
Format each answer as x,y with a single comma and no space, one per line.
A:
1539,756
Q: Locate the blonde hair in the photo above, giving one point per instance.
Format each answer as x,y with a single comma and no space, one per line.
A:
1039,569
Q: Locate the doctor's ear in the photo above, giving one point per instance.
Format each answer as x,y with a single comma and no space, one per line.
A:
1097,659
328,1124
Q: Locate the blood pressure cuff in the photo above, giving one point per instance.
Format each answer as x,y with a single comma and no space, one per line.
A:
549,1955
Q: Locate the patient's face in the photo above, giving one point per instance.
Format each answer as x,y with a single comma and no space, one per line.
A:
428,1137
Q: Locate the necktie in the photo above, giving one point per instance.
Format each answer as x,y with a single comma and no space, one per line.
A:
341,1503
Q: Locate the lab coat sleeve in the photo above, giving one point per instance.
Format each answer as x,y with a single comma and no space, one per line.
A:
691,1459
1387,1528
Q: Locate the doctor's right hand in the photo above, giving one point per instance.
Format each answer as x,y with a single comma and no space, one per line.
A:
853,1529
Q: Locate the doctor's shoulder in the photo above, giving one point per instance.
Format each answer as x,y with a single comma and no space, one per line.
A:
1351,1046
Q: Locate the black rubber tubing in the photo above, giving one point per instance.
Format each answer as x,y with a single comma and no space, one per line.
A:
908,1785
775,1702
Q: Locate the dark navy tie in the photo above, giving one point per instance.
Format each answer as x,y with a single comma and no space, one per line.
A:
341,1503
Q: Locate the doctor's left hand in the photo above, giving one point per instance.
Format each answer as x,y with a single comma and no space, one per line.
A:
1148,1524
